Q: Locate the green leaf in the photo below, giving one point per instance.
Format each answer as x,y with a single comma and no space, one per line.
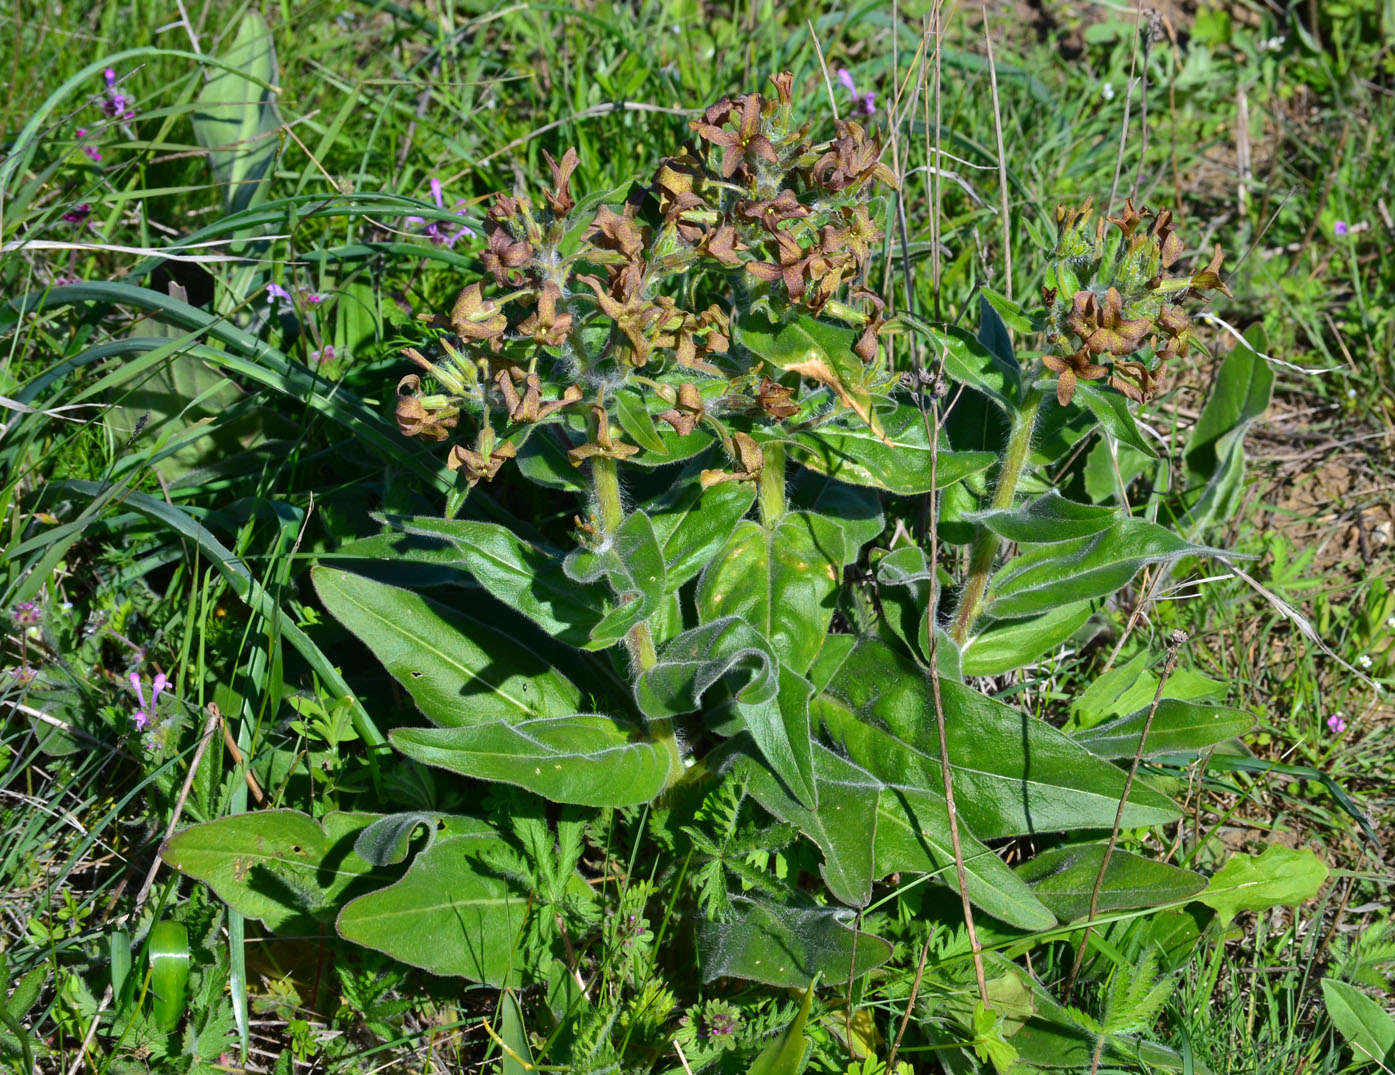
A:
1009,311
1179,727
1045,577
773,702
634,565
993,332
787,947
1000,646
444,916
585,758
1013,773
280,866
169,973
636,421
692,523
900,464
857,510
235,117
1063,878
1281,876
785,1055
905,576
1244,386
518,1060
527,577
1049,518
867,829
1113,413
388,840
781,580
1368,1027
458,669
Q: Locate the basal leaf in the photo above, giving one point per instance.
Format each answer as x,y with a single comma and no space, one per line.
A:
525,576
235,116
445,916
867,829
1243,388
771,701
585,758
1281,876
458,669
280,866
785,1055
1179,727
1063,878
1113,413
787,947
1047,576
1013,773
781,580
1367,1027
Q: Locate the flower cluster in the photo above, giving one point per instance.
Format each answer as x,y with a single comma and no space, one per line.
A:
572,307
1114,293
141,717
441,234
115,104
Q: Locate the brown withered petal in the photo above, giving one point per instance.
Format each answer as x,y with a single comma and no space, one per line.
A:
544,324
414,420
473,317
722,244
504,255
688,411
1173,320
475,466
611,231
775,399
1129,219
1209,278
772,211
559,199
784,84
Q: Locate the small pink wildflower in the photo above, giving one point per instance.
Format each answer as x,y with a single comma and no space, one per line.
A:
1336,724
865,103
142,716
116,103
1341,227
92,152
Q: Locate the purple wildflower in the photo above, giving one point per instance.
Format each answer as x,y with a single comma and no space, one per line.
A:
116,103
92,151
25,614
1340,227
437,232
141,719
78,214
323,355
865,103
275,293
1336,724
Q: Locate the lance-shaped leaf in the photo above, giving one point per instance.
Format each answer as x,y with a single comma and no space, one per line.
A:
999,646
787,947
634,565
445,916
525,576
1368,1027
457,668
781,580
967,360
692,523
856,509
1113,413
771,701
636,420
1179,727
1047,576
867,829
786,1052
899,464
905,577
585,758
280,866
1046,519
1013,773
235,118
1063,878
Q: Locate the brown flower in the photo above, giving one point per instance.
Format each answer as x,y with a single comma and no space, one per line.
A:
611,231
529,407
776,399
631,314
852,160
473,317
504,256
559,199
744,145
750,461
687,412
1137,382
603,445
475,465
1070,369
545,324
1129,219
1209,278
416,419
792,268
772,211
1102,328
1169,244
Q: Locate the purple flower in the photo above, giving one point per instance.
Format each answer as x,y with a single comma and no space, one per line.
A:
866,103
323,355
438,233
1336,724
116,102
92,151
276,293
25,614
141,719
1340,227
78,214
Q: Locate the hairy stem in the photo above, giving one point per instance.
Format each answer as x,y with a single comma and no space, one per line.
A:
771,493
985,547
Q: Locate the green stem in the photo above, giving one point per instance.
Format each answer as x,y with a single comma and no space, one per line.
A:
985,547
605,486
771,493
